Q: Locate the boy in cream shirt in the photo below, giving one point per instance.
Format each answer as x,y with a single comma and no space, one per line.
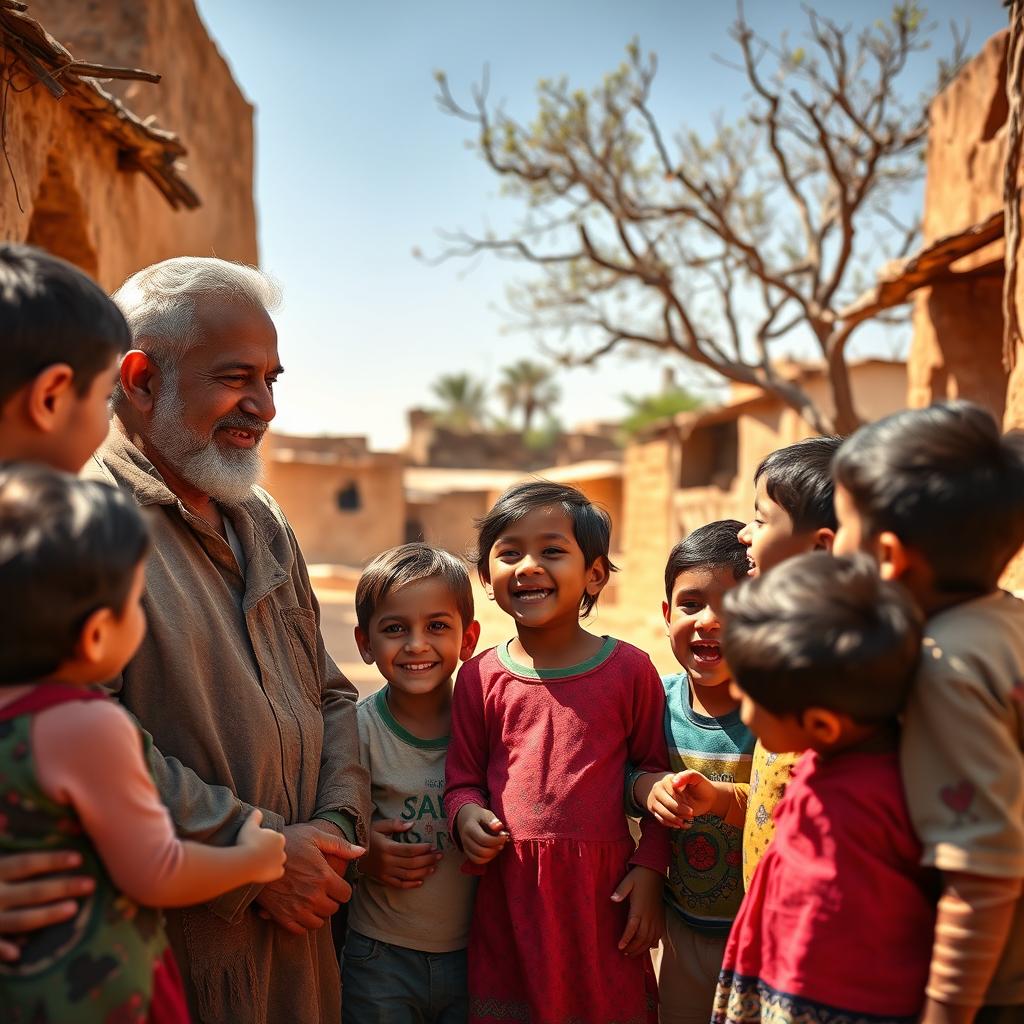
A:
409,916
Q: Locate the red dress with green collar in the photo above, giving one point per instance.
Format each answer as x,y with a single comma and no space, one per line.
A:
547,752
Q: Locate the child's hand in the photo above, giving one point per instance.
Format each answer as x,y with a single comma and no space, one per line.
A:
646,924
265,849
482,835
400,865
656,794
695,795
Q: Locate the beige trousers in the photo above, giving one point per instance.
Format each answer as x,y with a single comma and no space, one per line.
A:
687,964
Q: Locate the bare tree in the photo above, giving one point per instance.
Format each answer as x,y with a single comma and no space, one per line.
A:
717,250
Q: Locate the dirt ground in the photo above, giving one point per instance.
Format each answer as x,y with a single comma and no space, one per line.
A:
336,592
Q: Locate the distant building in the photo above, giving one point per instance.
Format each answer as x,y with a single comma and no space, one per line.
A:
344,502
699,466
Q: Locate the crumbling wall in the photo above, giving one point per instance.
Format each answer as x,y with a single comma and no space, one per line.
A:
76,200
958,323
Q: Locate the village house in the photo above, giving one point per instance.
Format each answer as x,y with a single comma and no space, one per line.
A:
92,170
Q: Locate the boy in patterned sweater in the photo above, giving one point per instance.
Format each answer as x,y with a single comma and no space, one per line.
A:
707,744
405,954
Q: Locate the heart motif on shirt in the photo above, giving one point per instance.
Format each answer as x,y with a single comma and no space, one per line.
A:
958,798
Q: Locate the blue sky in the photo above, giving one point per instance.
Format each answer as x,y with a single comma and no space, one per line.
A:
356,166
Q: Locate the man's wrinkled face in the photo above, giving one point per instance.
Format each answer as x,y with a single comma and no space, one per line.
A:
213,408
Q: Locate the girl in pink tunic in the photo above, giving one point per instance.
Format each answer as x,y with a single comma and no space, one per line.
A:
543,727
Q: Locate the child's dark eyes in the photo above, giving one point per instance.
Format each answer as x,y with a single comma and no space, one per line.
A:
553,552
393,628
438,627
691,607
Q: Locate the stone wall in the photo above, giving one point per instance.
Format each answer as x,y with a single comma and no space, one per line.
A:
76,201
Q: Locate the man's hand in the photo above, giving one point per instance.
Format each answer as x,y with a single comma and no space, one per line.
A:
312,887
400,865
28,903
483,835
646,923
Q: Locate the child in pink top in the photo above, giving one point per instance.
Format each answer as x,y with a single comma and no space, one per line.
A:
543,728
836,925
72,770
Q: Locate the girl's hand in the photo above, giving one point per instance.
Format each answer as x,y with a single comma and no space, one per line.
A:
400,865
264,847
646,923
482,835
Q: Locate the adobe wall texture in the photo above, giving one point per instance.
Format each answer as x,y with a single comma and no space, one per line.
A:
957,346
76,201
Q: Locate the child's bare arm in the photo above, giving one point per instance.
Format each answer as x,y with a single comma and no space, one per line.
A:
90,756
974,918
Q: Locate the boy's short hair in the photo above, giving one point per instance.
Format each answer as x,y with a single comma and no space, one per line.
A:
823,631
51,312
714,546
68,547
591,525
798,478
409,563
946,483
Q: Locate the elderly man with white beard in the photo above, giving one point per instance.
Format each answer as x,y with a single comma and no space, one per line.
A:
244,705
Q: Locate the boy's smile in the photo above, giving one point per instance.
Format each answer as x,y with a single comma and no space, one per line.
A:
416,637
694,628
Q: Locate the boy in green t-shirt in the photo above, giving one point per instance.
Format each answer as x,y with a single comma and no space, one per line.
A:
405,953
705,735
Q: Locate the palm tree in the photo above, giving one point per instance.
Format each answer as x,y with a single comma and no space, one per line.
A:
462,398
528,388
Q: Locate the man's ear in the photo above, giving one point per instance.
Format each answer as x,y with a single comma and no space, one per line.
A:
824,538
597,576
363,643
46,394
823,726
894,559
92,639
470,638
138,375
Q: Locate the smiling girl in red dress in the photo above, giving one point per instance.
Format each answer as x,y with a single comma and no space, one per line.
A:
543,727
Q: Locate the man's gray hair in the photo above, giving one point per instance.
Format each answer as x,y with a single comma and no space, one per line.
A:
159,302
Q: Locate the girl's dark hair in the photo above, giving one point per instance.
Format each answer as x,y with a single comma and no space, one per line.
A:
409,563
50,312
714,546
946,483
798,478
591,525
823,631
67,548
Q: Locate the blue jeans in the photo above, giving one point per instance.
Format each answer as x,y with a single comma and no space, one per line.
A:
385,984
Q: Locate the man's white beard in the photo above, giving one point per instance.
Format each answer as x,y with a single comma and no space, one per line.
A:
227,476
